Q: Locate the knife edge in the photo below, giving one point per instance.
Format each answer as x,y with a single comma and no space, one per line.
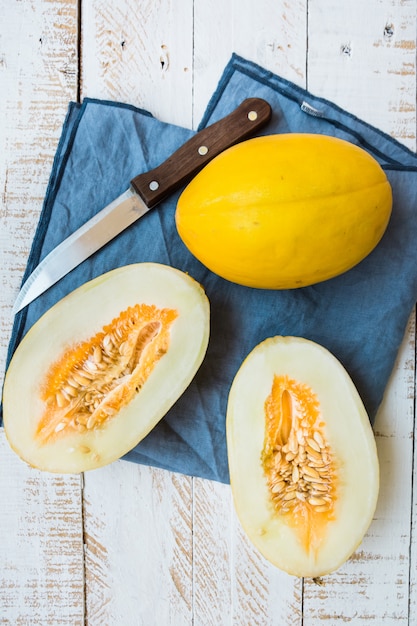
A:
105,225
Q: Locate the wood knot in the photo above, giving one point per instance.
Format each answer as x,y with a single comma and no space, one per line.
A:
346,49
388,32
164,58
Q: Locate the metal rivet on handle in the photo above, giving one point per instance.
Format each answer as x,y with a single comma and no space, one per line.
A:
153,185
252,116
202,150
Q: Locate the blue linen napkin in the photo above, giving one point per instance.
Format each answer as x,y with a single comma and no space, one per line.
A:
360,316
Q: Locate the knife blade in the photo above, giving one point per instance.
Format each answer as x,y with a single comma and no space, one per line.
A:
145,191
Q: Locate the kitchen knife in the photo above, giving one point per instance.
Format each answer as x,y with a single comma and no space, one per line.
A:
145,191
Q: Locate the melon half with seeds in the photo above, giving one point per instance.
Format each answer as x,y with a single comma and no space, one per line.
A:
303,461
97,372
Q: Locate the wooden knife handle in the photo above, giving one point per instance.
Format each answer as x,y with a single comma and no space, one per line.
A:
191,157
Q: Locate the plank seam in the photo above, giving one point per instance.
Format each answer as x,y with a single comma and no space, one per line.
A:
413,485
192,551
307,42
84,540
193,121
78,50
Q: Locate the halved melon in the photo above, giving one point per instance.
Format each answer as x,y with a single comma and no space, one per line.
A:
97,372
303,461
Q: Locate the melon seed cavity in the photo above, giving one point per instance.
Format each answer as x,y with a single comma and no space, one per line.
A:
297,459
94,379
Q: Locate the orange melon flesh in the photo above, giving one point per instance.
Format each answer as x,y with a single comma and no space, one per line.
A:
99,370
92,381
303,462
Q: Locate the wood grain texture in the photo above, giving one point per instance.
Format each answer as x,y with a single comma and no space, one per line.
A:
364,60
138,546
152,70
135,546
412,608
38,73
212,556
41,552
262,594
363,57
267,32
140,53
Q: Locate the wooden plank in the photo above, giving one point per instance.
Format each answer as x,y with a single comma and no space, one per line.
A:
212,558
267,32
138,543
233,583
263,595
140,53
413,516
38,68
362,56
138,520
41,553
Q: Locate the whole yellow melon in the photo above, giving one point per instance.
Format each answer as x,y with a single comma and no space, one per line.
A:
285,211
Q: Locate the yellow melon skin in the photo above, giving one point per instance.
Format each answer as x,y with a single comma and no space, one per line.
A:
285,211
60,417
297,537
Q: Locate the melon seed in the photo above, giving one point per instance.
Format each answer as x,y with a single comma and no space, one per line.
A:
312,443
97,354
310,471
296,458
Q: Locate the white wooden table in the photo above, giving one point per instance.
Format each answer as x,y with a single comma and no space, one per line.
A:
128,545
